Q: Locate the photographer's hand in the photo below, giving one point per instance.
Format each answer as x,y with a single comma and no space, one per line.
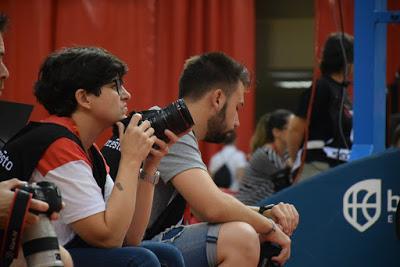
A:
7,197
285,215
137,140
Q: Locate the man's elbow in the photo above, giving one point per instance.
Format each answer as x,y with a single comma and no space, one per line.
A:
209,215
212,214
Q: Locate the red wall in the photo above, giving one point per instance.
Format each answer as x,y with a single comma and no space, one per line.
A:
153,37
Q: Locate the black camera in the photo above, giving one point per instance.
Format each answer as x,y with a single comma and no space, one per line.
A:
267,251
39,241
175,117
282,179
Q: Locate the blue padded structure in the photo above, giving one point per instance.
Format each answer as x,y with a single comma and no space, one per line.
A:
347,214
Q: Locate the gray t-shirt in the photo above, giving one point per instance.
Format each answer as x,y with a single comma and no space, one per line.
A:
182,156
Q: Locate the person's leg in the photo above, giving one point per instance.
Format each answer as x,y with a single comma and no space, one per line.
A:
203,244
167,254
238,245
191,242
313,168
121,257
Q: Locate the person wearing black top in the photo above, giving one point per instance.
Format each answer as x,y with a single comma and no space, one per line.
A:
330,125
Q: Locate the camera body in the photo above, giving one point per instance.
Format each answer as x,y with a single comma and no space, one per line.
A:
267,251
282,179
39,241
175,117
46,192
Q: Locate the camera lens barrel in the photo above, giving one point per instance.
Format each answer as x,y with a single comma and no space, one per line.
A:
40,244
39,241
175,117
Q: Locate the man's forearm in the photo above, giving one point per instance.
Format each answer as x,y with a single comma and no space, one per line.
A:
231,209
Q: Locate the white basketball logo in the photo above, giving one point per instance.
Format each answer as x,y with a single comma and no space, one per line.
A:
362,204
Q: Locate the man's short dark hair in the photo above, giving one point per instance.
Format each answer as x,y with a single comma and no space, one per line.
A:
332,55
70,69
207,71
3,22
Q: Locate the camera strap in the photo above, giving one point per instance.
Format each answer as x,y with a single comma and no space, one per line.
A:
11,238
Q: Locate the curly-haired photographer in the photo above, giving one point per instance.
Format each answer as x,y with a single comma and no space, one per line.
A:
103,222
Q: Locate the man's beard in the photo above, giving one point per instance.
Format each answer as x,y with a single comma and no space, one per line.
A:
216,128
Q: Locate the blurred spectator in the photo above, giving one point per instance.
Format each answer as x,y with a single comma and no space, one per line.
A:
227,166
396,137
268,170
330,123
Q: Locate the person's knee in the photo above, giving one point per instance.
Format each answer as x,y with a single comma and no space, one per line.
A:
167,254
239,239
143,257
66,257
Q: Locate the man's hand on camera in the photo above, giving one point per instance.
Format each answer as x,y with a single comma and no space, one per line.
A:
285,215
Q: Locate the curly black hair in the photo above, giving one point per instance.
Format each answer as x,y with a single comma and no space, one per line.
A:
65,71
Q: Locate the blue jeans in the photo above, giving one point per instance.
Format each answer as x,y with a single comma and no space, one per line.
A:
148,254
167,254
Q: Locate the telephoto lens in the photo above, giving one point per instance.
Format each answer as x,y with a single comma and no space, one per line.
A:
39,241
175,117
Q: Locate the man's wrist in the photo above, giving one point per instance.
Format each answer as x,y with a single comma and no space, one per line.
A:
271,230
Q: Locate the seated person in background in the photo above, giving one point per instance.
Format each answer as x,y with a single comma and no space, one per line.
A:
212,86
82,89
6,195
396,137
329,129
227,166
267,171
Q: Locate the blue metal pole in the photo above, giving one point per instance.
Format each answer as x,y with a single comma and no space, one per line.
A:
370,35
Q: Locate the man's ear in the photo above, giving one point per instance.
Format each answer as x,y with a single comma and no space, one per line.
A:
82,98
218,99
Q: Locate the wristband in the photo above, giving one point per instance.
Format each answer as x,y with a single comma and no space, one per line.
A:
153,179
264,208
